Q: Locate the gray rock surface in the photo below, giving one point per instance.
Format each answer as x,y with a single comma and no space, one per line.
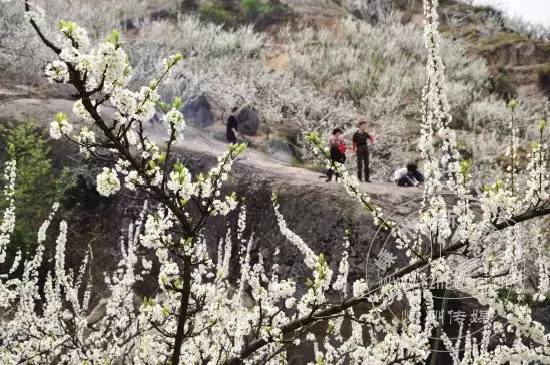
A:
280,150
198,111
248,121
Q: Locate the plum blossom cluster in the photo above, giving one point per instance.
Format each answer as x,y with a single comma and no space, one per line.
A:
60,126
35,13
227,316
32,336
86,141
108,182
180,182
57,71
538,181
8,218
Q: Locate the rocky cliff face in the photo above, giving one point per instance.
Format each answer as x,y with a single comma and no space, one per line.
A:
318,211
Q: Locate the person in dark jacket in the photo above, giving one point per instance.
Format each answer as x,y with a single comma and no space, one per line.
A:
360,141
408,176
231,131
412,168
338,147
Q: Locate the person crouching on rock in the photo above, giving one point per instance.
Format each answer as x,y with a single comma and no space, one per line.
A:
338,148
408,176
231,131
361,148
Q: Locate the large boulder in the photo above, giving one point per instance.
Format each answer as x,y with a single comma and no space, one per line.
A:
280,150
198,111
248,121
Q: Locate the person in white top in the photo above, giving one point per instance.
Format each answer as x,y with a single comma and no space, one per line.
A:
408,176
399,173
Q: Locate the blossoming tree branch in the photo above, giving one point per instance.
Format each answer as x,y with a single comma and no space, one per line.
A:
203,313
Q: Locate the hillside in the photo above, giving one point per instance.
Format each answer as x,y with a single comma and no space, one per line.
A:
519,64
318,97
166,244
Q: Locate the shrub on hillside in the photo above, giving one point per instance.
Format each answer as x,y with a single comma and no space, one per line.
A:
502,85
25,143
217,14
257,6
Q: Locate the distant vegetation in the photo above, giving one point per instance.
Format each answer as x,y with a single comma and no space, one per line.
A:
26,144
234,13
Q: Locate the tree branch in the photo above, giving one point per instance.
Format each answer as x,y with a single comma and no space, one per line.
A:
304,321
52,46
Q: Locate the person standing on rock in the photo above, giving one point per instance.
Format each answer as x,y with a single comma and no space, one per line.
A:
338,148
231,131
360,141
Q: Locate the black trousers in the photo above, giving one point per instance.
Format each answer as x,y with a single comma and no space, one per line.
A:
336,156
363,163
231,138
405,181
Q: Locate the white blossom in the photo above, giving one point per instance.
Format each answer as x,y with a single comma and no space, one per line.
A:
175,121
125,101
107,182
57,71
86,139
60,126
180,182
36,13
80,111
